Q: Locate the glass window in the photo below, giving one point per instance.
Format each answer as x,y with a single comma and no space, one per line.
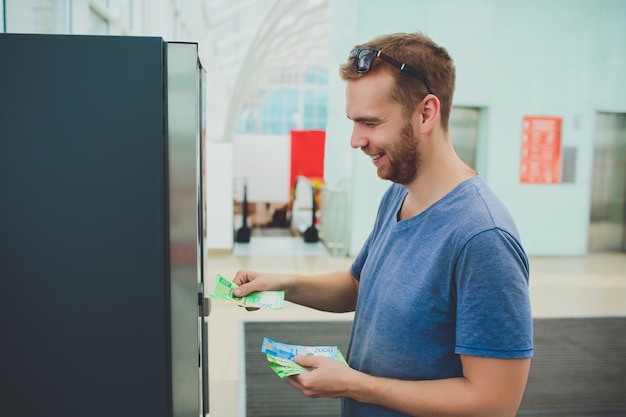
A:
290,101
98,25
50,16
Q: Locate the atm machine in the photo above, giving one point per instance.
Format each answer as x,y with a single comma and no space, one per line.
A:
101,279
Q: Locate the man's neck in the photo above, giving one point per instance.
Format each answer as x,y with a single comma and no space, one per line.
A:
440,173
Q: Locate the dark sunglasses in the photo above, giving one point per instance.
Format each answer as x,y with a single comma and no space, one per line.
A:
364,57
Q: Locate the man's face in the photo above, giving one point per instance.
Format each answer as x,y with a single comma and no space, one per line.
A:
380,128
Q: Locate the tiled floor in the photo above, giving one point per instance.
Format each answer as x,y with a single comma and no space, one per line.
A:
593,285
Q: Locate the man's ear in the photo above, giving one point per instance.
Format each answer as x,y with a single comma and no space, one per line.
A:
427,113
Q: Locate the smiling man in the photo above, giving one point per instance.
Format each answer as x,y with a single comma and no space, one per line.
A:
442,323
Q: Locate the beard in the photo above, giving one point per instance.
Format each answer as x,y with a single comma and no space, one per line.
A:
404,158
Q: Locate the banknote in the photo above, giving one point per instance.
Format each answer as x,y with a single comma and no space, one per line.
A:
280,356
284,371
223,290
287,351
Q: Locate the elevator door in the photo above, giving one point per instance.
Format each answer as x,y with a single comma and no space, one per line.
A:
608,195
463,128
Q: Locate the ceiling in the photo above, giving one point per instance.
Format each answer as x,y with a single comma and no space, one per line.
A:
252,42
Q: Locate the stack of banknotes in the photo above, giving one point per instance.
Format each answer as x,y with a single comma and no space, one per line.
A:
223,290
280,356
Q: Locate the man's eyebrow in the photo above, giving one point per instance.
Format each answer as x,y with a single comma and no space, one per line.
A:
365,119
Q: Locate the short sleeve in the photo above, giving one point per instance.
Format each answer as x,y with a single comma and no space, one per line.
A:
493,313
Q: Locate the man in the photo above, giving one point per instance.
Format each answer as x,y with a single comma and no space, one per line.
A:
442,322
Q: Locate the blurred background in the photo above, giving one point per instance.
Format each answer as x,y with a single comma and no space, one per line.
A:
539,110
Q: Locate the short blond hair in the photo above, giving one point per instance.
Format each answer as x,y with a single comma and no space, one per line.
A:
419,52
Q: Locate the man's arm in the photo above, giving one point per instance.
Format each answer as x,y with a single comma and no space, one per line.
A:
334,291
489,387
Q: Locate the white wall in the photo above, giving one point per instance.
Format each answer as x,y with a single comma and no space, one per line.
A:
264,162
514,58
219,195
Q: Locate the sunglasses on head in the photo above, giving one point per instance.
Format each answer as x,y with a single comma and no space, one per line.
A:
364,57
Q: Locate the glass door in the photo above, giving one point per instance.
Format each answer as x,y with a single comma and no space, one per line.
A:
464,128
608,194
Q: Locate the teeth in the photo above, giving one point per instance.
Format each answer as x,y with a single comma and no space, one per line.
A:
375,157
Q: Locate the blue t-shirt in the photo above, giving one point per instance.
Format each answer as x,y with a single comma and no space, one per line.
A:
452,280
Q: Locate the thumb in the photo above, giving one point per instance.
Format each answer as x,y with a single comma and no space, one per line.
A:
307,361
243,290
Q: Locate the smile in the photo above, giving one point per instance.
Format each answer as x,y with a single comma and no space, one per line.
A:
377,156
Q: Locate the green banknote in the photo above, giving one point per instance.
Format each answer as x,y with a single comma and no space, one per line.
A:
280,356
286,369
223,290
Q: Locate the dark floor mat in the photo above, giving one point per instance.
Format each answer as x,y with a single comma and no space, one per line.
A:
269,396
579,368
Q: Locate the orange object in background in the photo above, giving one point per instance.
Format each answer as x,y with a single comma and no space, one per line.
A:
307,155
541,150
307,160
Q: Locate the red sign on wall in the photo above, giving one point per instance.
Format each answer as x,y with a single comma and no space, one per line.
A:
541,150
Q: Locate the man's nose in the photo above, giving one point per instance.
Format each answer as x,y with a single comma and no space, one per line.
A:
358,140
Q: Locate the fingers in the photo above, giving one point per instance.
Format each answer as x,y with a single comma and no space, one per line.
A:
298,382
294,381
244,279
306,383
251,281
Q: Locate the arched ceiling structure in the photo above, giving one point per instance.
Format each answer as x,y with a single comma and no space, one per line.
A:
251,42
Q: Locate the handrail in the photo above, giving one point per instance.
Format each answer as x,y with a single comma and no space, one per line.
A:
310,234
334,230
333,214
